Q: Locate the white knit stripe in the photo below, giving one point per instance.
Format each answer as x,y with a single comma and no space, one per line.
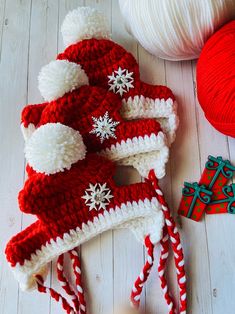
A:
181,263
159,192
183,297
168,222
79,289
164,256
182,280
78,270
59,266
137,297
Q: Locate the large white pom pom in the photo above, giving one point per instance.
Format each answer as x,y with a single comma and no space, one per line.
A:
60,77
54,147
84,23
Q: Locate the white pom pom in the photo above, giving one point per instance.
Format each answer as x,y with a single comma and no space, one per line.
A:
84,23
54,147
60,77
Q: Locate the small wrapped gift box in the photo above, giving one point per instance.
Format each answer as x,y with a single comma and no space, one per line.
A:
194,200
217,172
222,201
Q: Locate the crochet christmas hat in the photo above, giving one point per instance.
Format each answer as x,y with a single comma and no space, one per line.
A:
95,113
86,35
74,198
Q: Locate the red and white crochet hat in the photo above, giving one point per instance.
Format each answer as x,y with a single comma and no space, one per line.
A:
86,35
94,112
74,198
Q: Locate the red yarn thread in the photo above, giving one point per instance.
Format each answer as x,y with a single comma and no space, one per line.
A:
216,79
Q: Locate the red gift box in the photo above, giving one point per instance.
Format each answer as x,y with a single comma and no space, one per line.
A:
222,201
217,172
194,200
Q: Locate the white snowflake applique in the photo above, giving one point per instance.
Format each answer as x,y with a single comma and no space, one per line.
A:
97,196
120,81
104,127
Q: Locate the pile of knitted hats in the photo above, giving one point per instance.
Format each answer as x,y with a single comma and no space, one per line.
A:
97,113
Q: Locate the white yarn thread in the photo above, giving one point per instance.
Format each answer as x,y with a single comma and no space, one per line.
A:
173,29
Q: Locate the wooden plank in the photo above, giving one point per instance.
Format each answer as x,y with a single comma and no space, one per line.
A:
219,228
43,26
185,166
2,21
13,76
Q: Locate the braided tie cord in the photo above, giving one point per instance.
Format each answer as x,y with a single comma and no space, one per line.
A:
77,271
64,282
164,252
175,242
139,283
55,295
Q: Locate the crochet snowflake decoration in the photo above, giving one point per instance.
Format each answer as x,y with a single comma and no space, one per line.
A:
97,196
120,81
104,127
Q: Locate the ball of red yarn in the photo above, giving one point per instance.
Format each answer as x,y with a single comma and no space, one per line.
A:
216,79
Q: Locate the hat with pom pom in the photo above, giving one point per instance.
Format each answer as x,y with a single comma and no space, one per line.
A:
94,112
86,35
73,194
74,198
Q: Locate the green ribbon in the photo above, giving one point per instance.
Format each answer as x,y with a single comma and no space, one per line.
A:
230,199
219,164
197,194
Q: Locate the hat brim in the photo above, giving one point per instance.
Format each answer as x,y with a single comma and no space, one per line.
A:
139,216
163,110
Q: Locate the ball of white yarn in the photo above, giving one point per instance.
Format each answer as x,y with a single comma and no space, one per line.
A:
175,29
59,77
54,147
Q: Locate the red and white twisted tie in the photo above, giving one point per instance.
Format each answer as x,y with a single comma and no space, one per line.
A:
55,295
164,252
65,284
139,283
77,271
175,242
77,298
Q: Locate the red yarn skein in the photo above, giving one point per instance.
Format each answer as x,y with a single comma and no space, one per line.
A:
216,79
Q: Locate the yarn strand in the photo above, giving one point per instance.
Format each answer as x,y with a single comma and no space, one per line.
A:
175,242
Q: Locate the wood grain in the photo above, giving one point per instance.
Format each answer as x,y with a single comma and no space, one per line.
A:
29,38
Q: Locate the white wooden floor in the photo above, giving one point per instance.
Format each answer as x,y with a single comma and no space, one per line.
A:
29,38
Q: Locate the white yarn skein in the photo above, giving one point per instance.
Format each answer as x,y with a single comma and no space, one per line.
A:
173,29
